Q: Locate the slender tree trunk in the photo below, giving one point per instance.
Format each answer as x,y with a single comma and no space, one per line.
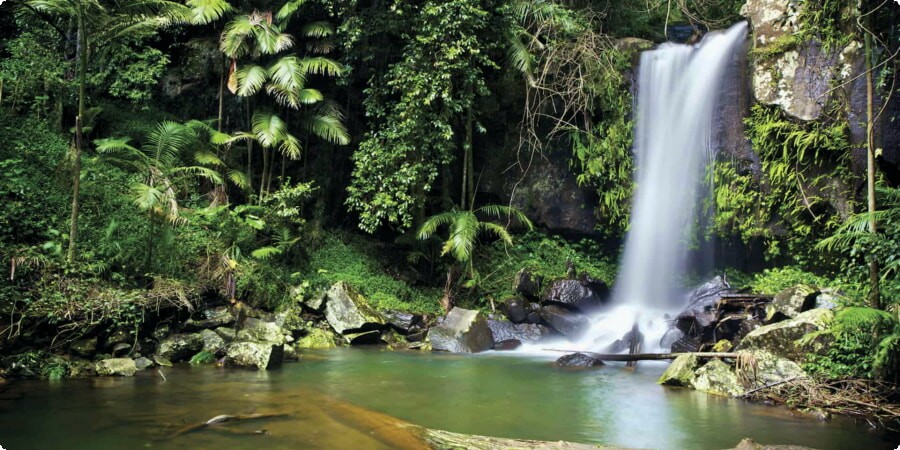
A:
468,179
249,150
221,98
262,178
874,288
81,50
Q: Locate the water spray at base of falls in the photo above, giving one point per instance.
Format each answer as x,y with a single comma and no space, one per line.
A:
679,86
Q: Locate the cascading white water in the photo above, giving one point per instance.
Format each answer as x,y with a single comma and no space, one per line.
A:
679,86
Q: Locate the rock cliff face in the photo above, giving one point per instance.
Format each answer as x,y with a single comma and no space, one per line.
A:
804,78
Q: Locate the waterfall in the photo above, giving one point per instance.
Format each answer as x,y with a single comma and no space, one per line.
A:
679,86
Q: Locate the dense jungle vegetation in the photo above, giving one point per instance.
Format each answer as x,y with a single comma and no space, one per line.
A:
161,152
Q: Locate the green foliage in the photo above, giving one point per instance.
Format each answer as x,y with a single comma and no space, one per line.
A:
826,20
413,108
129,69
855,241
773,281
38,364
465,227
33,75
203,357
541,255
604,156
803,190
865,344
360,263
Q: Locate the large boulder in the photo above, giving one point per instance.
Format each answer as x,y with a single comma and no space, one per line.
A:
522,332
585,295
462,331
209,318
578,361
212,342
179,347
527,284
790,302
681,371
124,367
768,368
85,348
262,355
784,338
718,378
256,330
699,316
348,312
316,338
404,322
568,323
516,309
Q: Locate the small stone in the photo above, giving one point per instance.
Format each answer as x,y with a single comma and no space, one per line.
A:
143,363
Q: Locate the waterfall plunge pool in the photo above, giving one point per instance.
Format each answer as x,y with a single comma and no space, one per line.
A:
491,394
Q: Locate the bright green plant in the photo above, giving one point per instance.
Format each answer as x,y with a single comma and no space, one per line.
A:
866,344
465,227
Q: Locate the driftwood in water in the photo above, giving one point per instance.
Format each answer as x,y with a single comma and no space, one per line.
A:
646,356
439,439
220,419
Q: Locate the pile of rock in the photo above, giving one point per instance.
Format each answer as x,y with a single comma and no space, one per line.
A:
769,336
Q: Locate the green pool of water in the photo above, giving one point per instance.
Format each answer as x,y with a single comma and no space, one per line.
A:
490,394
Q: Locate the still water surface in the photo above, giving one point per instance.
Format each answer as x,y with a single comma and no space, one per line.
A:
348,398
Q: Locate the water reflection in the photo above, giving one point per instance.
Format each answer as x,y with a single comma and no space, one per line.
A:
486,394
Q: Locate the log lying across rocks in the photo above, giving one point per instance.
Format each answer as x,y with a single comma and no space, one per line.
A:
646,356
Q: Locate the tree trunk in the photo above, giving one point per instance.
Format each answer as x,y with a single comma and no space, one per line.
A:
221,98
81,50
874,288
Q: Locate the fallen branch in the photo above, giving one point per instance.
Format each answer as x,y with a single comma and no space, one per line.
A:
771,385
220,419
646,356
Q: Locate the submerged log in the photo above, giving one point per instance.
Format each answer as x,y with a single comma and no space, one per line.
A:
647,356
223,418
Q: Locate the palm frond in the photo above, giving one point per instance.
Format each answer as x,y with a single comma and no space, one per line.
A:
501,211
430,226
117,145
268,128
239,179
290,147
208,158
208,11
166,142
146,197
250,80
497,230
463,232
309,96
265,253
288,9
234,37
270,40
288,80
329,128
199,171
318,29
321,65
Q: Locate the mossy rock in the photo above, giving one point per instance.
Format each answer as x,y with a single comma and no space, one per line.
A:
316,338
785,339
681,371
718,378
